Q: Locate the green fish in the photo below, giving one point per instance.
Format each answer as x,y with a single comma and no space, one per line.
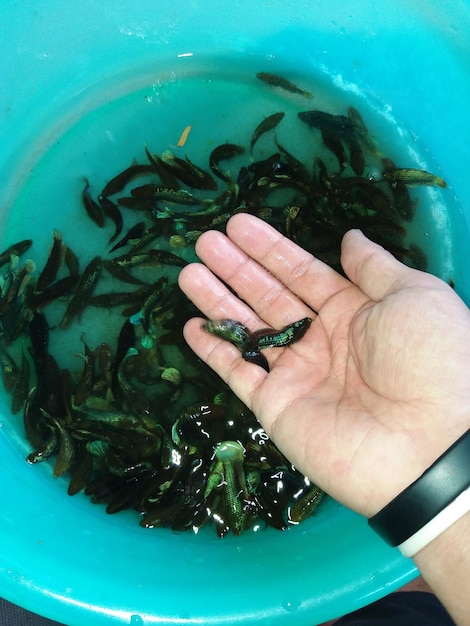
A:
273,80
265,126
411,176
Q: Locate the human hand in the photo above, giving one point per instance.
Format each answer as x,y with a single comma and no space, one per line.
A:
379,385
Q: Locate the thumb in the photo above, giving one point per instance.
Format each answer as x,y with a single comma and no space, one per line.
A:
374,270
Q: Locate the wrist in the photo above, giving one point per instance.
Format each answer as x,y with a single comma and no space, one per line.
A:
445,564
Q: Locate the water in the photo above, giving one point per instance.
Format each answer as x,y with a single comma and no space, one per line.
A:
222,107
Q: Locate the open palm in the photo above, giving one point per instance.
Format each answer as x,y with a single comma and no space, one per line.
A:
358,403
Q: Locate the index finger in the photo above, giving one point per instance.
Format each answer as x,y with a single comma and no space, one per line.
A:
307,277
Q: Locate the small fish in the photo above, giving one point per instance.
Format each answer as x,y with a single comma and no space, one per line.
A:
71,261
46,450
135,232
339,124
147,191
221,153
291,212
125,391
223,203
10,369
163,514
53,263
306,501
147,258
95,212
268,167
64,395
188,172
39,350
66,449
87,378
357,159
273,497
117,184
21,388
251,352
126,341
230,330
361,129
163,170
229,476
150,302
121,274
59,289
332,141
404,206
186,430
243,181
81,470
411,176
265,126
285,181
52,379
16,249
148,237
239,335
39,336
334,130
118,298
273,80
15,285
111,210
141,203
156,192
192,235
295,166
178,241
83,292
114,418
172,375
251,343
105,362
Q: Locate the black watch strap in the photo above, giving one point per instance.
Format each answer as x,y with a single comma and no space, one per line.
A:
427,496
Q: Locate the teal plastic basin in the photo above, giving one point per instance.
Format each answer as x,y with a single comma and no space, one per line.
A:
64,65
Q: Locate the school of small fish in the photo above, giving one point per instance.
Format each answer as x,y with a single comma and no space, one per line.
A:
141,423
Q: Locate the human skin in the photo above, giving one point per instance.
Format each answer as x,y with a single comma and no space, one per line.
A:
377,388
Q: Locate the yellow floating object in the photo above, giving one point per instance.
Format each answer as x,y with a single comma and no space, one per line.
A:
184,136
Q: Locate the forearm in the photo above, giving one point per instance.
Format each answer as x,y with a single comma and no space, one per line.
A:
445,565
